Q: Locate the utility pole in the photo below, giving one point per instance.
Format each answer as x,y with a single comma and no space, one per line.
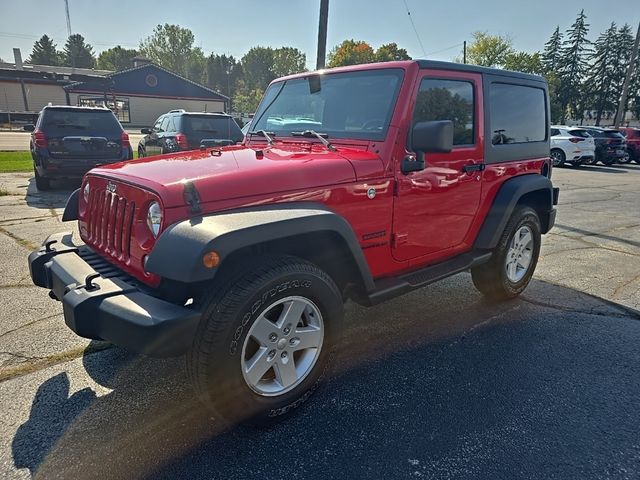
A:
627,80
464,52
322,34
66,8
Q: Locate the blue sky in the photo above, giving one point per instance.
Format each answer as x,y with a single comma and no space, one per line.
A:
233,27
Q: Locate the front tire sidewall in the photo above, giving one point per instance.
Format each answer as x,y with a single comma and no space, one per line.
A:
226,390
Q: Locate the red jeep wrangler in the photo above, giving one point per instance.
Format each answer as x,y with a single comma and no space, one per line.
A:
363,182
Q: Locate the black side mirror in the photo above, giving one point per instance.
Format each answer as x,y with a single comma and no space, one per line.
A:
146,131
29,127
432,137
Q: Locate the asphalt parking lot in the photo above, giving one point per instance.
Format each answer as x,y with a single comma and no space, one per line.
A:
435,384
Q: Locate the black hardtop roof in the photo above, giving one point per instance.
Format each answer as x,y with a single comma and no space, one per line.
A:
464,67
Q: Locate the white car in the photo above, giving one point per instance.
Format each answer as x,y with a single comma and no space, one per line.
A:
571,145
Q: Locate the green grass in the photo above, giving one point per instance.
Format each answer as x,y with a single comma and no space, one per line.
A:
21,161
15,162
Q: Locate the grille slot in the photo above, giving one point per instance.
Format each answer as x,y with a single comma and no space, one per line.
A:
109,223
108,270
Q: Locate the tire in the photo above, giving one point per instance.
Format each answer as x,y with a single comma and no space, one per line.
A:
558,157
227,345
627,157
42,183
608,161
495,279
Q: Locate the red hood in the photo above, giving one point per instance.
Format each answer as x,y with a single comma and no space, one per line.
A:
242,171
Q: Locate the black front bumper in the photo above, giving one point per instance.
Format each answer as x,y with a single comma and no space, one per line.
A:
109,308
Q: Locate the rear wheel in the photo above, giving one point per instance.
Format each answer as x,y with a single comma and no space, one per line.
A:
41,182
265,342
514,259
626,158
558,157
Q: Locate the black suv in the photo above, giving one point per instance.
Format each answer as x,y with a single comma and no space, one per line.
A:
179,130
67,142
611,146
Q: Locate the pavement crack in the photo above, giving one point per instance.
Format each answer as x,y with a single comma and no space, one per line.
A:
629,313
34,364
8,332
20,241
6,221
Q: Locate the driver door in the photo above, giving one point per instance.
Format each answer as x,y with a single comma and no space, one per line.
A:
434,208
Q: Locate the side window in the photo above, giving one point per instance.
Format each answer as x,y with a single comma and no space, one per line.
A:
165,124
448,100
171,127
156,127
517,114
554,132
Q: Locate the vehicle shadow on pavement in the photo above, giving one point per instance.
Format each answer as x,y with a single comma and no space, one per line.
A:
463,386
54,198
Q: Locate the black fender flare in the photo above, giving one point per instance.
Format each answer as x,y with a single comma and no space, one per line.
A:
179,250
71,207
505,201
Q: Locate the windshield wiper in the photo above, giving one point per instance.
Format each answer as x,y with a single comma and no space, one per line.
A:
320,136
268,135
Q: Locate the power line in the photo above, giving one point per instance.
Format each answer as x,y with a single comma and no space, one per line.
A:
414,27
445,49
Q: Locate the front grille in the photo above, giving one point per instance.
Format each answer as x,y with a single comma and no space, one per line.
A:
109,222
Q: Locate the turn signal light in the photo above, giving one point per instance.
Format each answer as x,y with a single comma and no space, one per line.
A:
211,259
40,139
124,138
576,139
181,140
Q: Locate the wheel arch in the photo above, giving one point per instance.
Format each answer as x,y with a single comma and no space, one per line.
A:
310,232
534,190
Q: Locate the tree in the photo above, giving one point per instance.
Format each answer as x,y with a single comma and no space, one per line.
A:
390,52
524,62
171,47
601,78
622,50
257,67
288,60
116,59
246,99
351,52
77,53
44,52
223,73
489,50
573,67
552,51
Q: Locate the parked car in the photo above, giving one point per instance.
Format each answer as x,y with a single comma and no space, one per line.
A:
179,130
572,145
66,142
611,146
632,136
242,257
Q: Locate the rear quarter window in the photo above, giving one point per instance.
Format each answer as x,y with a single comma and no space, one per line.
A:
580,133
517,114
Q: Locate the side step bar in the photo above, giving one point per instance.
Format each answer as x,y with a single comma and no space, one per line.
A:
387,288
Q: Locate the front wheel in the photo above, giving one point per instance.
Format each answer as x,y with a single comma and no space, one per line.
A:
265,342
514,259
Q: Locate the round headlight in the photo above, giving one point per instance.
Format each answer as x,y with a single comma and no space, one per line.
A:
85,192
154,218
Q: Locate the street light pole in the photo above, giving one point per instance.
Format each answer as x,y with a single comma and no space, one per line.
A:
322,34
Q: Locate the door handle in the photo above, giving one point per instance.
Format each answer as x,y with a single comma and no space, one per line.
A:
473,167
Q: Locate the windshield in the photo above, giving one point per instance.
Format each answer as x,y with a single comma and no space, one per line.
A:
341,105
